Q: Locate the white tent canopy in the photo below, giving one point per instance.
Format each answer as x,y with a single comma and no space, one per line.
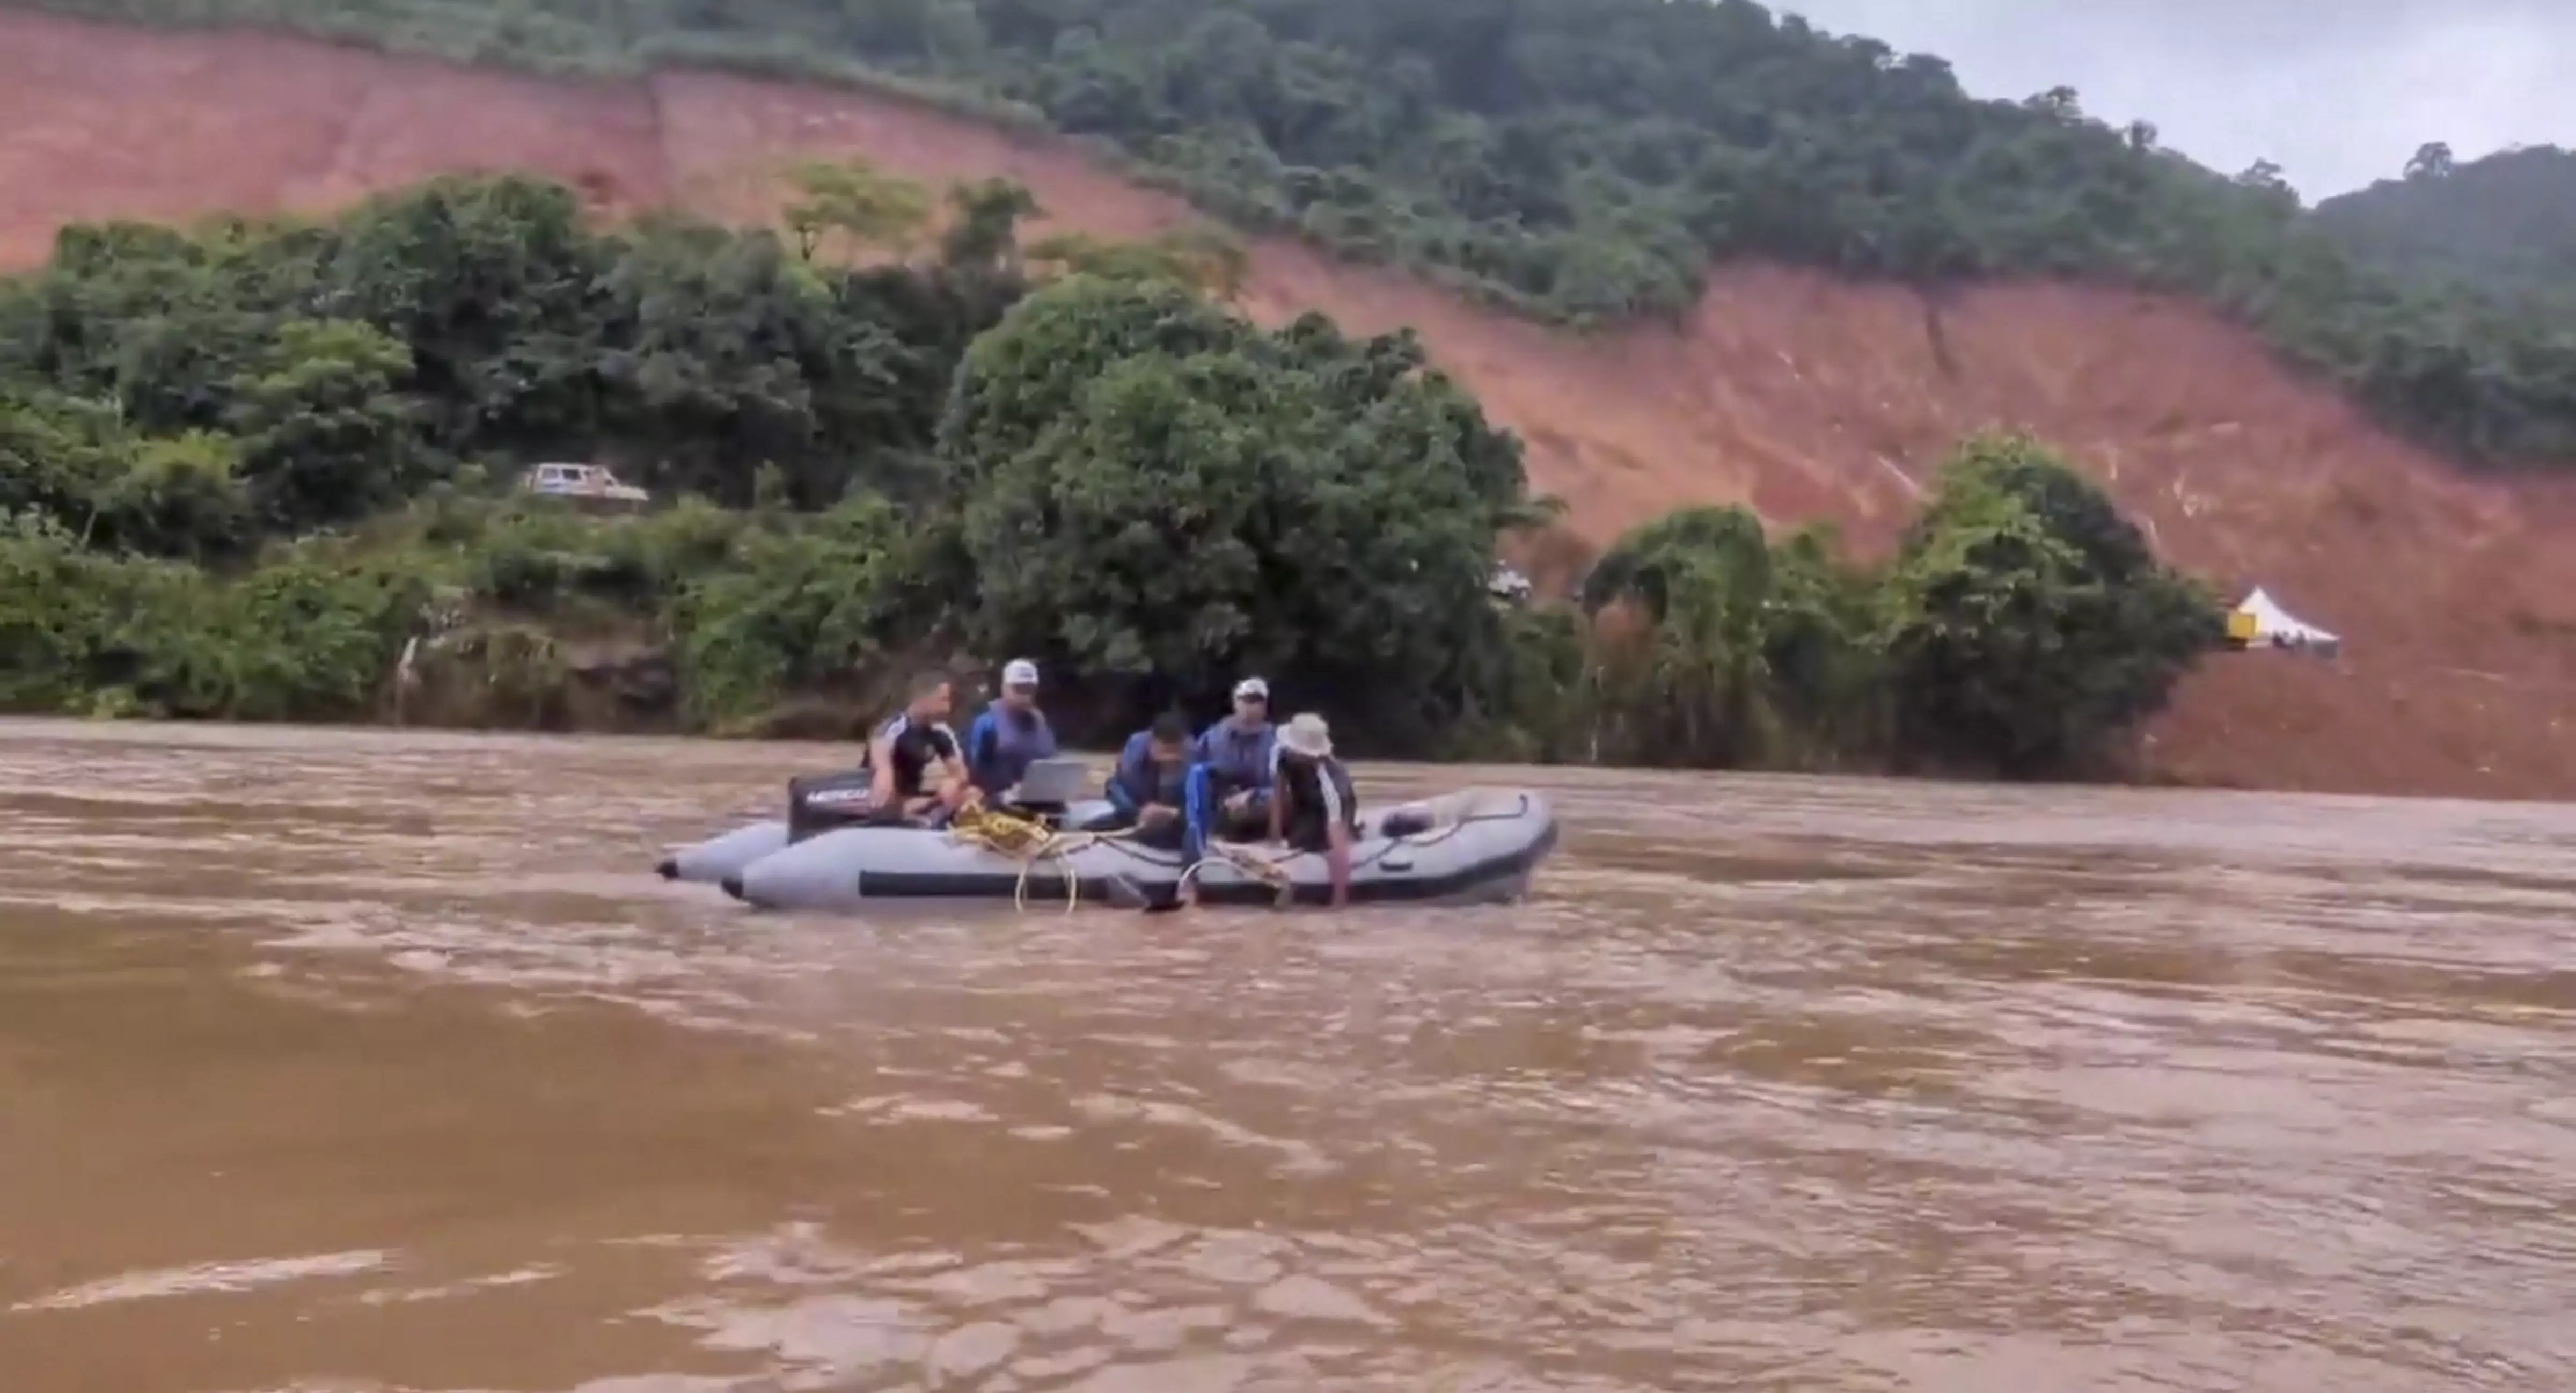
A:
2275,627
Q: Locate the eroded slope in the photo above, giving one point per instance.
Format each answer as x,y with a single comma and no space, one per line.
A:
1804,397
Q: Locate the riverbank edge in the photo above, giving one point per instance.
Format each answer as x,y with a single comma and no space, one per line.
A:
827,722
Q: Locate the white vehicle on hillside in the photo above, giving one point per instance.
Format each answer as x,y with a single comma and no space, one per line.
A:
582,482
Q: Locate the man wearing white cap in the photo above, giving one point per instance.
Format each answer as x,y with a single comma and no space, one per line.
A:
1011,734
1313,806
1230,787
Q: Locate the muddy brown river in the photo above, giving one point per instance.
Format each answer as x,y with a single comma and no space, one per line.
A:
348,1062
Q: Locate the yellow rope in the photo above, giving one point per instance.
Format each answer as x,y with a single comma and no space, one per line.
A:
1028,841
1032,843
1265,869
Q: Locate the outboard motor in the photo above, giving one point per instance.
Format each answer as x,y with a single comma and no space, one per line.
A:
820,803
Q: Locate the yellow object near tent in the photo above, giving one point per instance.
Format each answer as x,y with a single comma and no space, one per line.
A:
2258,621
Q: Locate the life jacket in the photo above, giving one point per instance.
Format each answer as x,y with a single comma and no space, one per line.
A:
1237,758
1004,742
1140,778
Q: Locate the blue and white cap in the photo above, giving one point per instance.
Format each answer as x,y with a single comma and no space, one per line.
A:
1019,672
1252,689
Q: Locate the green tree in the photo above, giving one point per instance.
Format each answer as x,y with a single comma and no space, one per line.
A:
78,463
739,354
180,497
306,638
982,240
852,208
2028,624
1153,490
58,603
324,437
2503,226
494,286
1203,259
1751,654
795,610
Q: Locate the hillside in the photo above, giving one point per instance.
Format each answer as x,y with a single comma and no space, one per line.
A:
1576,161
2505,224
1806,397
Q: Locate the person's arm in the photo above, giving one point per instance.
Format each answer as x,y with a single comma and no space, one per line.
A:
1337,834
881,772
1337,860
982,735
1043,744
1126,778
1196,816
1278,811
1210,753
944,742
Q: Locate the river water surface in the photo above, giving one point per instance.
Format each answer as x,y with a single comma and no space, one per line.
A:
344,1061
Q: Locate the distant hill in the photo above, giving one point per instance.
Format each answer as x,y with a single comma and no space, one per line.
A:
1581,161
2505,224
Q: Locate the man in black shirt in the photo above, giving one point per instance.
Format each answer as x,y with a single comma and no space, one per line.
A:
918,772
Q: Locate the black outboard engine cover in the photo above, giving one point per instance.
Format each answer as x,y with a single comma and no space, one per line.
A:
819,803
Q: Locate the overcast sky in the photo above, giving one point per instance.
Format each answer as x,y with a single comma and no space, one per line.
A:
2336,92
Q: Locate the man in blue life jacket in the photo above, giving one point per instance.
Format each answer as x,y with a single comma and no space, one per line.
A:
1230,783
1313,806
1150,785
916,771
1010,735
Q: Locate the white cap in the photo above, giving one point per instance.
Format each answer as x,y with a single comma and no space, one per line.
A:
1019,672
1252,689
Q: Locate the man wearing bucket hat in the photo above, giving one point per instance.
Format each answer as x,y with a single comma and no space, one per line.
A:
1011,734
1313,806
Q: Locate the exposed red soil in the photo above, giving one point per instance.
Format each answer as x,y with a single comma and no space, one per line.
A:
1804,397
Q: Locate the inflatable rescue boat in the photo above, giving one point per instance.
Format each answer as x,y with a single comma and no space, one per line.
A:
1473,846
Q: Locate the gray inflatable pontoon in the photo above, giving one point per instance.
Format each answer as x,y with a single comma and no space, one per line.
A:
1477,846
718,859
710,862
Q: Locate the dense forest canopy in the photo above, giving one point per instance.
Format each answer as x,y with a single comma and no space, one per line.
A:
2505,224
1583,159
265,470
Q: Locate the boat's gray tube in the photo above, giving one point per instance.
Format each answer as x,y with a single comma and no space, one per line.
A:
710,861
1479,845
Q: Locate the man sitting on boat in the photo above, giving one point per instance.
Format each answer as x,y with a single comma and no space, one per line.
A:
1313,806
1150,786
1010,734
917,773
1232,787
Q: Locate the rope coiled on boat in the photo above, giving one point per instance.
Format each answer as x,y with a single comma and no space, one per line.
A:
1033,844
